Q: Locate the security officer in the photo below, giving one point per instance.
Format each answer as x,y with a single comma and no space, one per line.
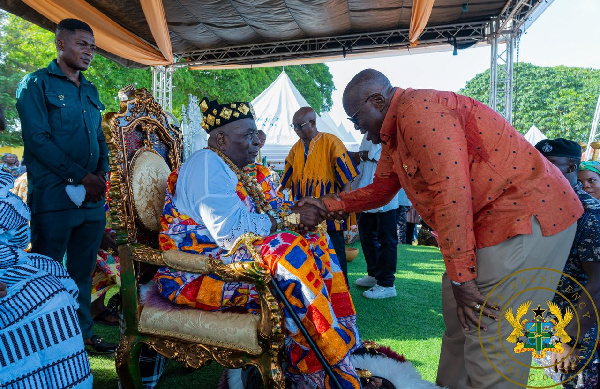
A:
67,162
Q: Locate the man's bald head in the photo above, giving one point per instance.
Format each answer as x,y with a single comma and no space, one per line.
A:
366,100
304,122
365,83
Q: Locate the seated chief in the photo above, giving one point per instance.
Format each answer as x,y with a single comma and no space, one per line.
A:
211,201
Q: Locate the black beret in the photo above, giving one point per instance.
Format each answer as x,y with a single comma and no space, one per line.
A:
559,147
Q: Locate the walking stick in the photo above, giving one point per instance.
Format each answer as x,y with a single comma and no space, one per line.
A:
248,240
311,343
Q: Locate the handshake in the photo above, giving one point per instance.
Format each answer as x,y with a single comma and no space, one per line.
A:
312,212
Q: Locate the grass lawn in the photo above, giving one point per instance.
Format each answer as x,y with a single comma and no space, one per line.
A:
411,323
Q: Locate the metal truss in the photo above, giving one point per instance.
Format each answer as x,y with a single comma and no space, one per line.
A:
162,86
505,30
455,34
501,71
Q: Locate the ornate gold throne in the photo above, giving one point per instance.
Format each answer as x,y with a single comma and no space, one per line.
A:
144,149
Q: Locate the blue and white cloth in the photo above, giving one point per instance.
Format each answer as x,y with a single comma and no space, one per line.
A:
40,340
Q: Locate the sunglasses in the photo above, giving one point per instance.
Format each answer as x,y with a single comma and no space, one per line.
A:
353,117
298,125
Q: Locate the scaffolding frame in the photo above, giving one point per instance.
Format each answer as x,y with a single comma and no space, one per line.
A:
500,32
504,31
162,86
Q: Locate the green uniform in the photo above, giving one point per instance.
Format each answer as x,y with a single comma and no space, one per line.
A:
62,133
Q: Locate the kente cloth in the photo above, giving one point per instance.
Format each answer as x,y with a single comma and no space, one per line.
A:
107,273
304,267
321,168
40,340
471,176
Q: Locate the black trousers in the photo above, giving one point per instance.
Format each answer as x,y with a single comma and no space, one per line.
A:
339,244
78,233
379,241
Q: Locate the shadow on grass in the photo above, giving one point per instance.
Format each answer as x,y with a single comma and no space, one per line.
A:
415,314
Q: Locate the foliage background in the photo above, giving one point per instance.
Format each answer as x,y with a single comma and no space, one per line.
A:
25,47
560,100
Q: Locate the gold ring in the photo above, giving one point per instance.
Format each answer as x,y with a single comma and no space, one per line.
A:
477,307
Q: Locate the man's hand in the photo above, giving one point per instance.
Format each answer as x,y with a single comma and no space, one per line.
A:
564,362
355,156
312,212
469,302
108,242
3,291
338,215
95,187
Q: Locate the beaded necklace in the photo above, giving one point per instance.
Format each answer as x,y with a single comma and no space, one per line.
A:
249,183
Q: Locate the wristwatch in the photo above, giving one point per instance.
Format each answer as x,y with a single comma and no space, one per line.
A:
103,174
361,154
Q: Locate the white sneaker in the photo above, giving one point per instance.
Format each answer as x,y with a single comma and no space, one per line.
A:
380,292
366,281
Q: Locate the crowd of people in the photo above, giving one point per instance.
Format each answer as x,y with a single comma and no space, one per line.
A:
498,206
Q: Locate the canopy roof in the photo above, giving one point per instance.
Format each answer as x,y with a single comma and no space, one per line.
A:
234,33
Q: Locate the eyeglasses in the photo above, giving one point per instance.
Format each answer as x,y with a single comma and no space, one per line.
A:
353,117
298,125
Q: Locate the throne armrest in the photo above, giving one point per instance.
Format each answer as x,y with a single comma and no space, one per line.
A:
252,272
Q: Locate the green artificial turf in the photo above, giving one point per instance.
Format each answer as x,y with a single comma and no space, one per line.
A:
411,323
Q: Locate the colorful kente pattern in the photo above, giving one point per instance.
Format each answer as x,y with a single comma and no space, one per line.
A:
305,268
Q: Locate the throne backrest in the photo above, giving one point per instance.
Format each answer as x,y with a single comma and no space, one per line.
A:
143,149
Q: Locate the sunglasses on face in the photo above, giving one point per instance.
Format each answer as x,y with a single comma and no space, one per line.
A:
298,125
353,117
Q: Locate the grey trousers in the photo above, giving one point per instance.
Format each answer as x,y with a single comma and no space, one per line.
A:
523,268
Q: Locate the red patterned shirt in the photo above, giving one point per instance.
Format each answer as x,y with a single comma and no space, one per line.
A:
470,175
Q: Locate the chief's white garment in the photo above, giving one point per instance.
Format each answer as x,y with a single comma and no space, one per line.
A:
206,192
367,173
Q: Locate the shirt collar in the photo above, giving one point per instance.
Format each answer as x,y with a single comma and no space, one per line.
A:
53,68
389,122
577,186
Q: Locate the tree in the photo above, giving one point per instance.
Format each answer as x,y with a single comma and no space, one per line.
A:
560,100
27,47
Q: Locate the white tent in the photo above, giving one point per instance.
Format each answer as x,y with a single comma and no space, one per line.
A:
274,109
534,135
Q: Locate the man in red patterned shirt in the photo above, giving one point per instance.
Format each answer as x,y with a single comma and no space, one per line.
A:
496,203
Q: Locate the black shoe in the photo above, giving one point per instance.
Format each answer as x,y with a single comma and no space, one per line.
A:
100,346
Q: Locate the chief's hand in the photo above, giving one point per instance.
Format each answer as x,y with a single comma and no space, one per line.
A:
3,291
312,212
469,302
95,187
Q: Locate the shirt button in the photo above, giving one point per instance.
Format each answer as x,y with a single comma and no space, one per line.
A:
84,111
69,180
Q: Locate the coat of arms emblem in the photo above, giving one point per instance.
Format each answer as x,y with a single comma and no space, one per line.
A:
541,334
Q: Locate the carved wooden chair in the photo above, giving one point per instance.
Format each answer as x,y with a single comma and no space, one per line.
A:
144,149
